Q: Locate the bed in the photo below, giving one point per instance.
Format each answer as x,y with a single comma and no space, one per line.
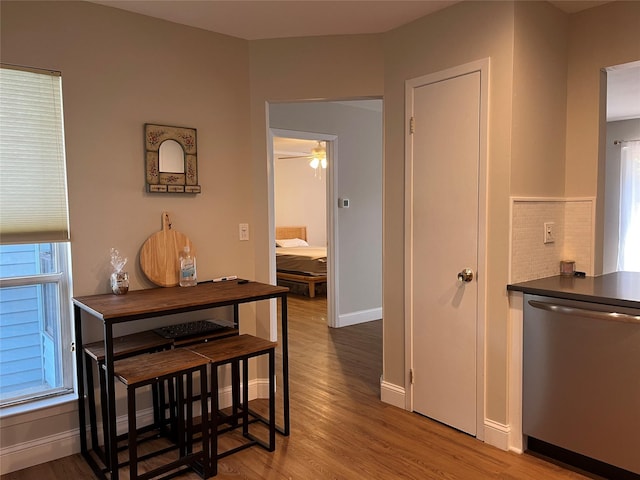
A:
297,262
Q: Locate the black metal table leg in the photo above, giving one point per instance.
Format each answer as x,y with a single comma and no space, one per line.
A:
285,363
110,423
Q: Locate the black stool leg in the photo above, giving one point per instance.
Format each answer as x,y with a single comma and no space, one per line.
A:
133,441
180,400
103,409
245,396
272,401
91,396
235,391
189,418
214,421
204,424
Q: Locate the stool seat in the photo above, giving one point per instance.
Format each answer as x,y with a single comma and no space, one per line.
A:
239,346
123,347
177,366
145,368
235,350
128,345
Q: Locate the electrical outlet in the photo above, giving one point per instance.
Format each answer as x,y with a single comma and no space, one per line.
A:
549,232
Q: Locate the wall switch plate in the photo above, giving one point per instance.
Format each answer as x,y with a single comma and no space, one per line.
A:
243,231
549,232
343,203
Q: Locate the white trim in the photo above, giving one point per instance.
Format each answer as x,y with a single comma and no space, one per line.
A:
552,199
38,409
482,66
40,450
496,434
332,225
362,316
516,309
52,447
392,394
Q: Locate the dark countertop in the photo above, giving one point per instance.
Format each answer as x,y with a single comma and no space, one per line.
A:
620,289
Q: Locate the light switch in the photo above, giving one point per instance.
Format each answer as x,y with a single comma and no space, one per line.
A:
243,230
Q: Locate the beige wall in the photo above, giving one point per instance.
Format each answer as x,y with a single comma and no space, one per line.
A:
121,70
539,100
280,72
460,34
599,37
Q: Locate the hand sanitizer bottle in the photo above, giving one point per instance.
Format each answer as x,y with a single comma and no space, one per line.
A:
188,276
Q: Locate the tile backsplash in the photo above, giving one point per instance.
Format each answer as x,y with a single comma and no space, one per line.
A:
531,258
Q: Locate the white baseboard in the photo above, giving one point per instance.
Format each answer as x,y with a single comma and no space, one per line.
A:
392,394
496,434
46,449
361,316
40,450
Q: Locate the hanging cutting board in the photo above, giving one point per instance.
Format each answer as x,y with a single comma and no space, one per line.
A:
160,254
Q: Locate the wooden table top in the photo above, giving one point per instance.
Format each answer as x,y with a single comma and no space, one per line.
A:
151,302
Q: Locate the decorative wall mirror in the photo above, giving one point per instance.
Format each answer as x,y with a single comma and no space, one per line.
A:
171,159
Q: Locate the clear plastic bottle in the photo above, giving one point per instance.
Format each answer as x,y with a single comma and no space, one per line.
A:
188,277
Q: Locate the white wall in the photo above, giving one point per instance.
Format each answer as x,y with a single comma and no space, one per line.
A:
300,198
359,174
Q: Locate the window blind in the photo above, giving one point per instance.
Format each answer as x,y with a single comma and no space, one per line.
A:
33,187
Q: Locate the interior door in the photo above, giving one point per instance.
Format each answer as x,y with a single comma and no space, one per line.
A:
445,147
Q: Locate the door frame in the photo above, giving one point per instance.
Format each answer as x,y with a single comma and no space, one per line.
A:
481,66
332,214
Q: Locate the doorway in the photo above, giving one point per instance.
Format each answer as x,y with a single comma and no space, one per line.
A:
353,133
302,199
445,231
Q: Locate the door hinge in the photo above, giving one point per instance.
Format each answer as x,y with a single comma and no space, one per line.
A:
412,125
411,376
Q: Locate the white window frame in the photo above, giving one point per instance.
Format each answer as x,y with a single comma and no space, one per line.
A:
66,362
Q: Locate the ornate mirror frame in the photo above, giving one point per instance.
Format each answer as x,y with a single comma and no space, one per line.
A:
171,182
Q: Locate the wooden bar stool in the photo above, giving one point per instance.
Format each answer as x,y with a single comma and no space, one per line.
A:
177,366
123,347
234,350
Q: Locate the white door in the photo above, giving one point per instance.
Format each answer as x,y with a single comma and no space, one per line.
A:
444,227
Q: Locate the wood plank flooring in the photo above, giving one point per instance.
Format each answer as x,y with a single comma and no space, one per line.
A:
339,427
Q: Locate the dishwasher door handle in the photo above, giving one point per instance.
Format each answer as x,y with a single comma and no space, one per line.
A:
583,312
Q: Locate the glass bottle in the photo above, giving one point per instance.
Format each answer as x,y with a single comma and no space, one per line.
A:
188,277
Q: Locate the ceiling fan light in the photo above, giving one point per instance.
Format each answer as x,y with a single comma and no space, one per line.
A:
314,162
323,162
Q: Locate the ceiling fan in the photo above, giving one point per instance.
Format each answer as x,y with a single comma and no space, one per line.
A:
317,157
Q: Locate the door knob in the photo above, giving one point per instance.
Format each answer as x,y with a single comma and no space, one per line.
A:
465,275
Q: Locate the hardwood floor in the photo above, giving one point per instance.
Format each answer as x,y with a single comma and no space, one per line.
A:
339,427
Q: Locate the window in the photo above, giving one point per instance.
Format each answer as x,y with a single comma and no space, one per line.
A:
35,296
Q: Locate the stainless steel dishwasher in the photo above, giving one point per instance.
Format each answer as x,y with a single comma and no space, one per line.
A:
581,378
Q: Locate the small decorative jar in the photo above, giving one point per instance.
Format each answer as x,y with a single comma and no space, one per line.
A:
120,282
567,268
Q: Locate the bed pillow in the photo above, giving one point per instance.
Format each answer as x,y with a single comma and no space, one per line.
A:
291,242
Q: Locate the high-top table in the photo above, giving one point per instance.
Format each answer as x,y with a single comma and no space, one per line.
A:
155,302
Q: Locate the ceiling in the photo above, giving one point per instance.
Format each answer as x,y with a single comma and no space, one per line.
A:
263,19
268,19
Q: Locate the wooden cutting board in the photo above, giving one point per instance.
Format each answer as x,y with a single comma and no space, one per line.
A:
160,254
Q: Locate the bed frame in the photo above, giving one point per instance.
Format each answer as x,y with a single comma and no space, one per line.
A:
310,281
